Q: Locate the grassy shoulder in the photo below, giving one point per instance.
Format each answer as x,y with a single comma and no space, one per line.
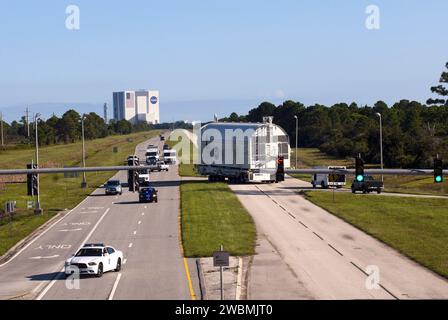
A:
417,227
312,157
59,193
212,215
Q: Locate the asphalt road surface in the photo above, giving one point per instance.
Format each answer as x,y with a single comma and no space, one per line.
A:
148,235
305,252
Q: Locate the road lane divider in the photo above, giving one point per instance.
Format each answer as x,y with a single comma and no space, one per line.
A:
130,245
114,288
47,257
51,284
70,230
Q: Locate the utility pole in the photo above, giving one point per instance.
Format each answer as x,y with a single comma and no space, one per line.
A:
27,119
297,137
381,143
38,209
1,124
84,182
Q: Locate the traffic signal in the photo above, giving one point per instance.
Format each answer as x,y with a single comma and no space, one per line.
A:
31,181
438,170
133,175
359,169
280,174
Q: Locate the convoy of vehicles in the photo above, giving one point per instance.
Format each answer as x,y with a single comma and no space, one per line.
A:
113,187
325,181
94,259
368,185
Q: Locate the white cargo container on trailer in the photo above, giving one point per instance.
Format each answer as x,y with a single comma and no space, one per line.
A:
242,152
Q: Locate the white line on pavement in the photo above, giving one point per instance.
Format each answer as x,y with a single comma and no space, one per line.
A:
43,293
111,296
143,213
135,232
124,261
68,230
130,245
140,222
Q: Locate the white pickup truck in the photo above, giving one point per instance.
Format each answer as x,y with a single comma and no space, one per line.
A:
159,166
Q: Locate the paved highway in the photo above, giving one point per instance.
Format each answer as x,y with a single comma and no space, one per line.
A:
306,252
148,235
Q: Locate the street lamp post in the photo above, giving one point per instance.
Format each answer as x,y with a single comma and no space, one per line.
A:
297,137
1,124
38,209
381,142
84,182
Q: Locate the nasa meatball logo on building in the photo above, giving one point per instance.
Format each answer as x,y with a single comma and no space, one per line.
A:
153,99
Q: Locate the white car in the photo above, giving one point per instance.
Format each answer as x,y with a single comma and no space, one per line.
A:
95,259
162,166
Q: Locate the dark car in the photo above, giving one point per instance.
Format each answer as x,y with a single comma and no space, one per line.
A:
162,138
113,187
368,185
147,194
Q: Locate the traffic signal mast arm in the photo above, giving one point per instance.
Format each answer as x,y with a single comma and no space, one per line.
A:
408,172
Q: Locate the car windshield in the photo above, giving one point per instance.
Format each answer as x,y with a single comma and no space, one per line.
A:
113,183
90,252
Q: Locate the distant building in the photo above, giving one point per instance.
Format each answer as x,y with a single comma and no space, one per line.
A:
137,106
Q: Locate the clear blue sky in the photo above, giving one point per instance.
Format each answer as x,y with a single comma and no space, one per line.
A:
312,51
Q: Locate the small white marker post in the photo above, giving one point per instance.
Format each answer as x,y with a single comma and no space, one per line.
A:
220,275
221,259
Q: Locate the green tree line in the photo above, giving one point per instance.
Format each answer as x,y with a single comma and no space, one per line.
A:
67,129
413,133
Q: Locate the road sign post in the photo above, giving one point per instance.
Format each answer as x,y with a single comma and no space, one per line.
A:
221,259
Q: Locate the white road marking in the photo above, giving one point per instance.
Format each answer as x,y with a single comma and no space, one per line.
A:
140,222
43,293
93,211
111,296
124,261
38,287
145,207
143,213
69,230
44,232
47,257
135,232
93,208
130,245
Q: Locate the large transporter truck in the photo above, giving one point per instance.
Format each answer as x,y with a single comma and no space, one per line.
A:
243,152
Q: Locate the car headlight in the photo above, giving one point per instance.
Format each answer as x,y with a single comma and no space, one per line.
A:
92,263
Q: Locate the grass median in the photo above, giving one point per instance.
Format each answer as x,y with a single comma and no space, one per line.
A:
417,227
213,216
59,193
